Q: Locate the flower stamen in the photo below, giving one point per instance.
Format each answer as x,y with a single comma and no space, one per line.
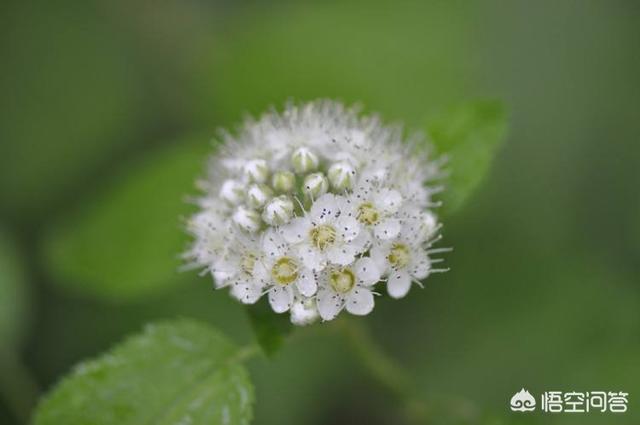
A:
323,236
367,214
399,255
342,280
284,271
248,263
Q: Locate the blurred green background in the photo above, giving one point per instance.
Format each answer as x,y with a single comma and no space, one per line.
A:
107,109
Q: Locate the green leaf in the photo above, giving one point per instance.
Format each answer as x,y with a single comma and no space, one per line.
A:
269,328
127,242
179,372
13,295
470,135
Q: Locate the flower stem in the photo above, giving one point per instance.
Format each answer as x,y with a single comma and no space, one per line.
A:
18,387
386,371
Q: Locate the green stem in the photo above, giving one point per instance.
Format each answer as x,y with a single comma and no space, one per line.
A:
386,371
381,366
17,387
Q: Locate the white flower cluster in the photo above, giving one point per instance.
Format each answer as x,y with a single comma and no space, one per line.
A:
314,207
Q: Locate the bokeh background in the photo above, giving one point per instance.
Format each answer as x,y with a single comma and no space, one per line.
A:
107,109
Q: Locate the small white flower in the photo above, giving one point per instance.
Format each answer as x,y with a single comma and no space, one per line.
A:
311,208
403,259
348,286
375,207
284,272
327,233
210,230
239,269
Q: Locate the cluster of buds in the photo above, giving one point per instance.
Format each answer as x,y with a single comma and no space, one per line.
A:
313,208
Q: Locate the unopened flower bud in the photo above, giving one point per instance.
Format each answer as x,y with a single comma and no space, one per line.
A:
258,195
283,181
341,175
246,219
303,160
232,191
257,170
278,211
315,185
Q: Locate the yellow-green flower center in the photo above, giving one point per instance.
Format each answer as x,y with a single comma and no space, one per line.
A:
323,236
284,271
399,255
342,280
248,262
367,214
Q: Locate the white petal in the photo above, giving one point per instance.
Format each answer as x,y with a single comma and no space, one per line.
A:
297,230
375,175
388,200
261,273
245,291
329,304
367,271
306,282
429,224
398,284
420,264
304,312
363,241
345,206
348,227
325,208
412,226
273,244
311,257
280,298
343,254
220,279
379,253
363,188
387,229
224,270
360,301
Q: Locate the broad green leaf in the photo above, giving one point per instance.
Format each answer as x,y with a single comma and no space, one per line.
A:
13,295
127,241
69,100
269,328
179,372
469,135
